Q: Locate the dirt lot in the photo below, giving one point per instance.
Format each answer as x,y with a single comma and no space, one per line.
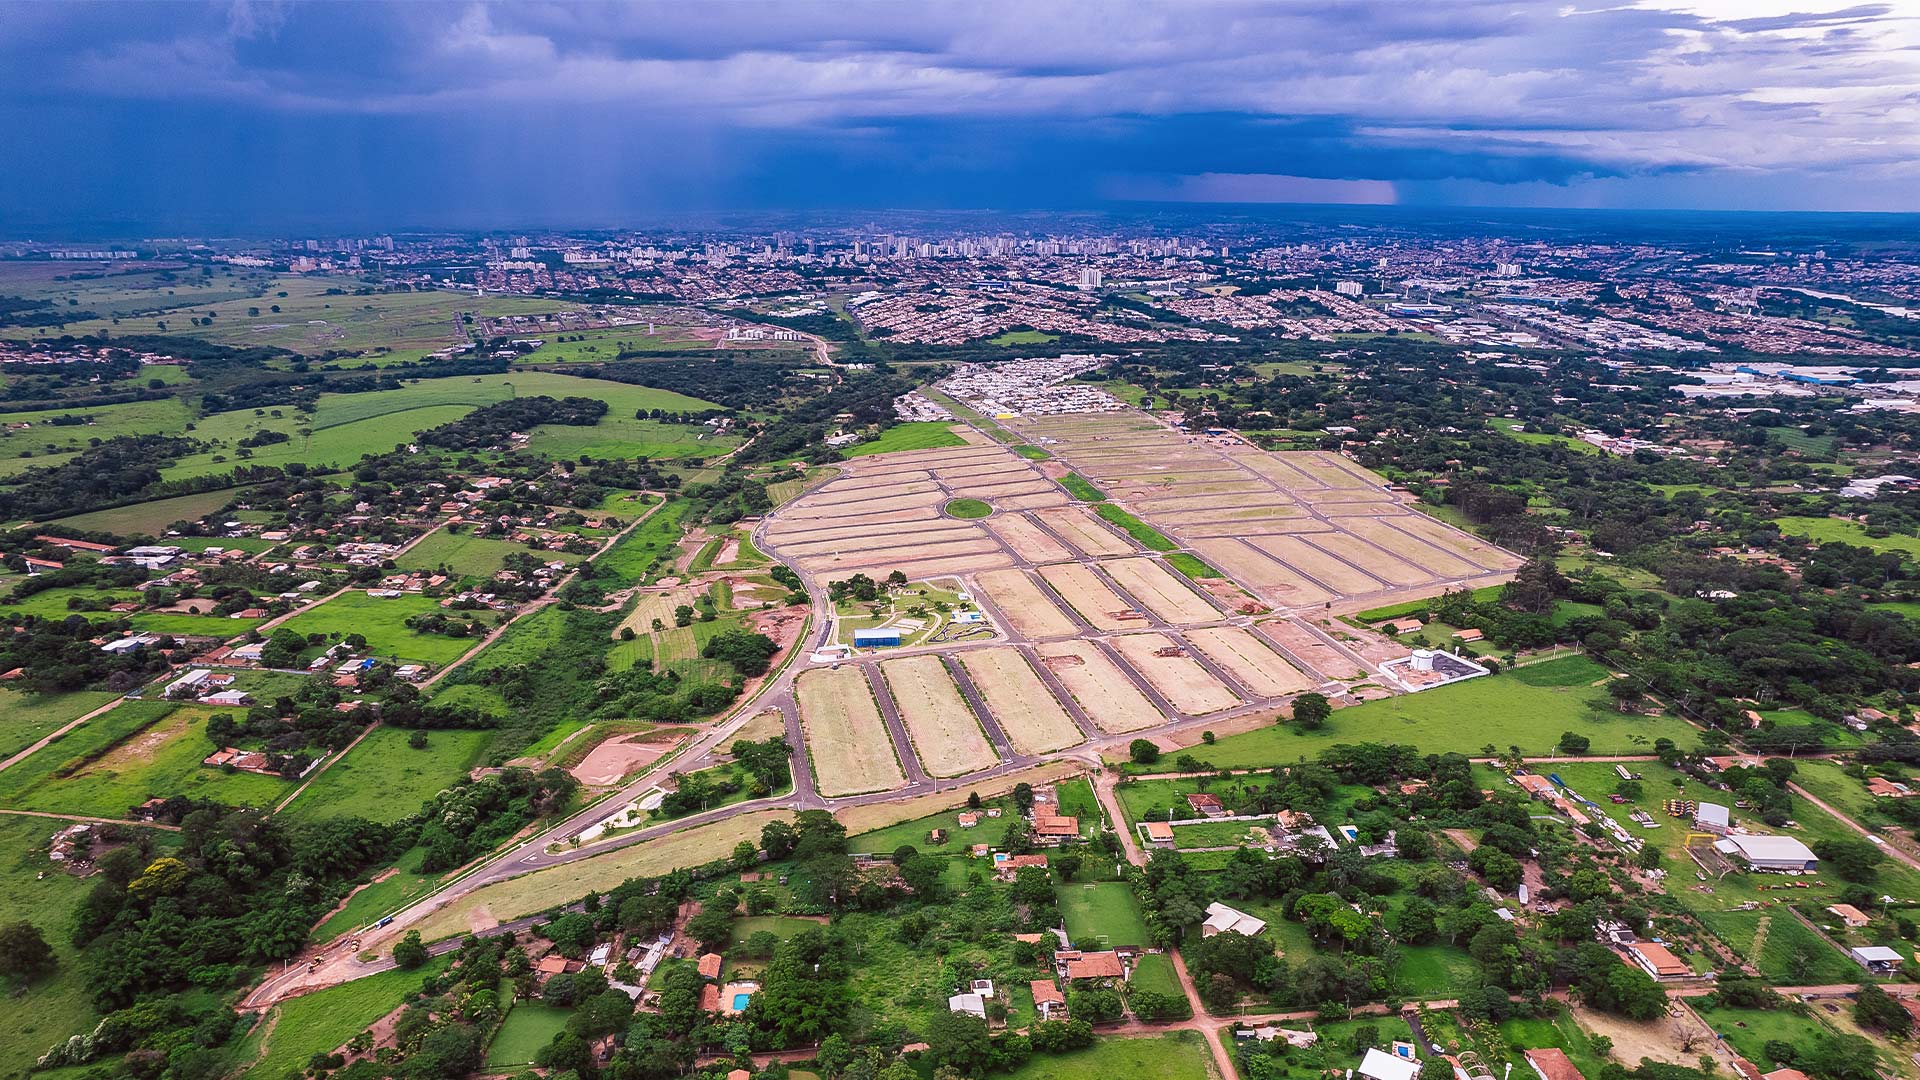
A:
1317,564
1028,540
1248,659
1081,587
946,735
1034,722
623,755
1083,531
851,750
1164,592
1180,679
1105,694
1025,605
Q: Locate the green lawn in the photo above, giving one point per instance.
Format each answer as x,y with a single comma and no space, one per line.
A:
1154,972
57,1006
1022,337
1180,1056
528,1028
1105,910
1079,488
384,779
1749,1030
1191,565
925,435
1524,708
1031,453
1833,530
27,718
382,621
320,1022
467,555
967,508
1144,534
1394,611
1512,428
379,898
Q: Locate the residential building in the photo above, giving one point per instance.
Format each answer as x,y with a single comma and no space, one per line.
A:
1658,960
1221,919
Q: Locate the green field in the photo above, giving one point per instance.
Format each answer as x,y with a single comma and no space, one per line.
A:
383,623
152,749
320,1022
27,718
1079,488
1144,534
1022,337
1512,428
1180,1056
528,1028
466,555
379,898
152,518
31,888
1104,910
1191,565
384,779
925,435
967,508
1032,453
1528,708
1833,530
600,346
1154,972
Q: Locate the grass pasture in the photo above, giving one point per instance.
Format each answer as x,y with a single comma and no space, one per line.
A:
58,1005
382,621
1179,1056
921,435
383,779
151,518
469,556
1835,531
319,1022
27,718
154,758
1502,710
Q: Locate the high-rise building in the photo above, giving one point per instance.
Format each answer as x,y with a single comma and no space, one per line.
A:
1092,278
1349,288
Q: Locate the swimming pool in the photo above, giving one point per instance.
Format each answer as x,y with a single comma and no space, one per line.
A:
740,1002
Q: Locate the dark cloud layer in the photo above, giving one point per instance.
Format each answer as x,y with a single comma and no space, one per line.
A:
250,116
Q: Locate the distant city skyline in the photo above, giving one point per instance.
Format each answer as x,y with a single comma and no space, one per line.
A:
253,117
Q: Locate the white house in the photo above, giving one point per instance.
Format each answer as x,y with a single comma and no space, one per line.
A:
1221,918
1379,1065
1780,853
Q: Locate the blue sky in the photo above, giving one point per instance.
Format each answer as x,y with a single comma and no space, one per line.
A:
251,117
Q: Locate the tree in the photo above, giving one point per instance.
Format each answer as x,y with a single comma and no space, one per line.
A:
1143,751
1023,796
1876,1010
959,1040
409,953
1574,743
778,839
1311,710
24,954
1854,860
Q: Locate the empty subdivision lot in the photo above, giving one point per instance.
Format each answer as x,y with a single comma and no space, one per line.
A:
1083,531
1437,560
1296,552
1302,643
1163,592
1103,691
1027,540
946,735
1035,723
845,736
1186,685
1251,661
1024,604
1091,597
1253,568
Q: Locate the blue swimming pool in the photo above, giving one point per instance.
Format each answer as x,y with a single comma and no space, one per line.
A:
740,1002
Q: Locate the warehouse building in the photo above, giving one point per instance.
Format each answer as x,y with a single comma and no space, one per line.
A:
1779,854
876,639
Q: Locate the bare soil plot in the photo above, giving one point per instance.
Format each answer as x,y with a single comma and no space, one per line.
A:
1104,692
623,755
921,570
1027,540
1311,649
1454,540
846,738
1033,502
1024,604
806,510
1003,489
887,556
808,532
1263,575
1437,561
1369,558
945,733
841,492
1083,531
1035,723
1277,469
1180,679
784,527
1249,660
1317,564
1330,469
1091,597
1164,592
936,532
